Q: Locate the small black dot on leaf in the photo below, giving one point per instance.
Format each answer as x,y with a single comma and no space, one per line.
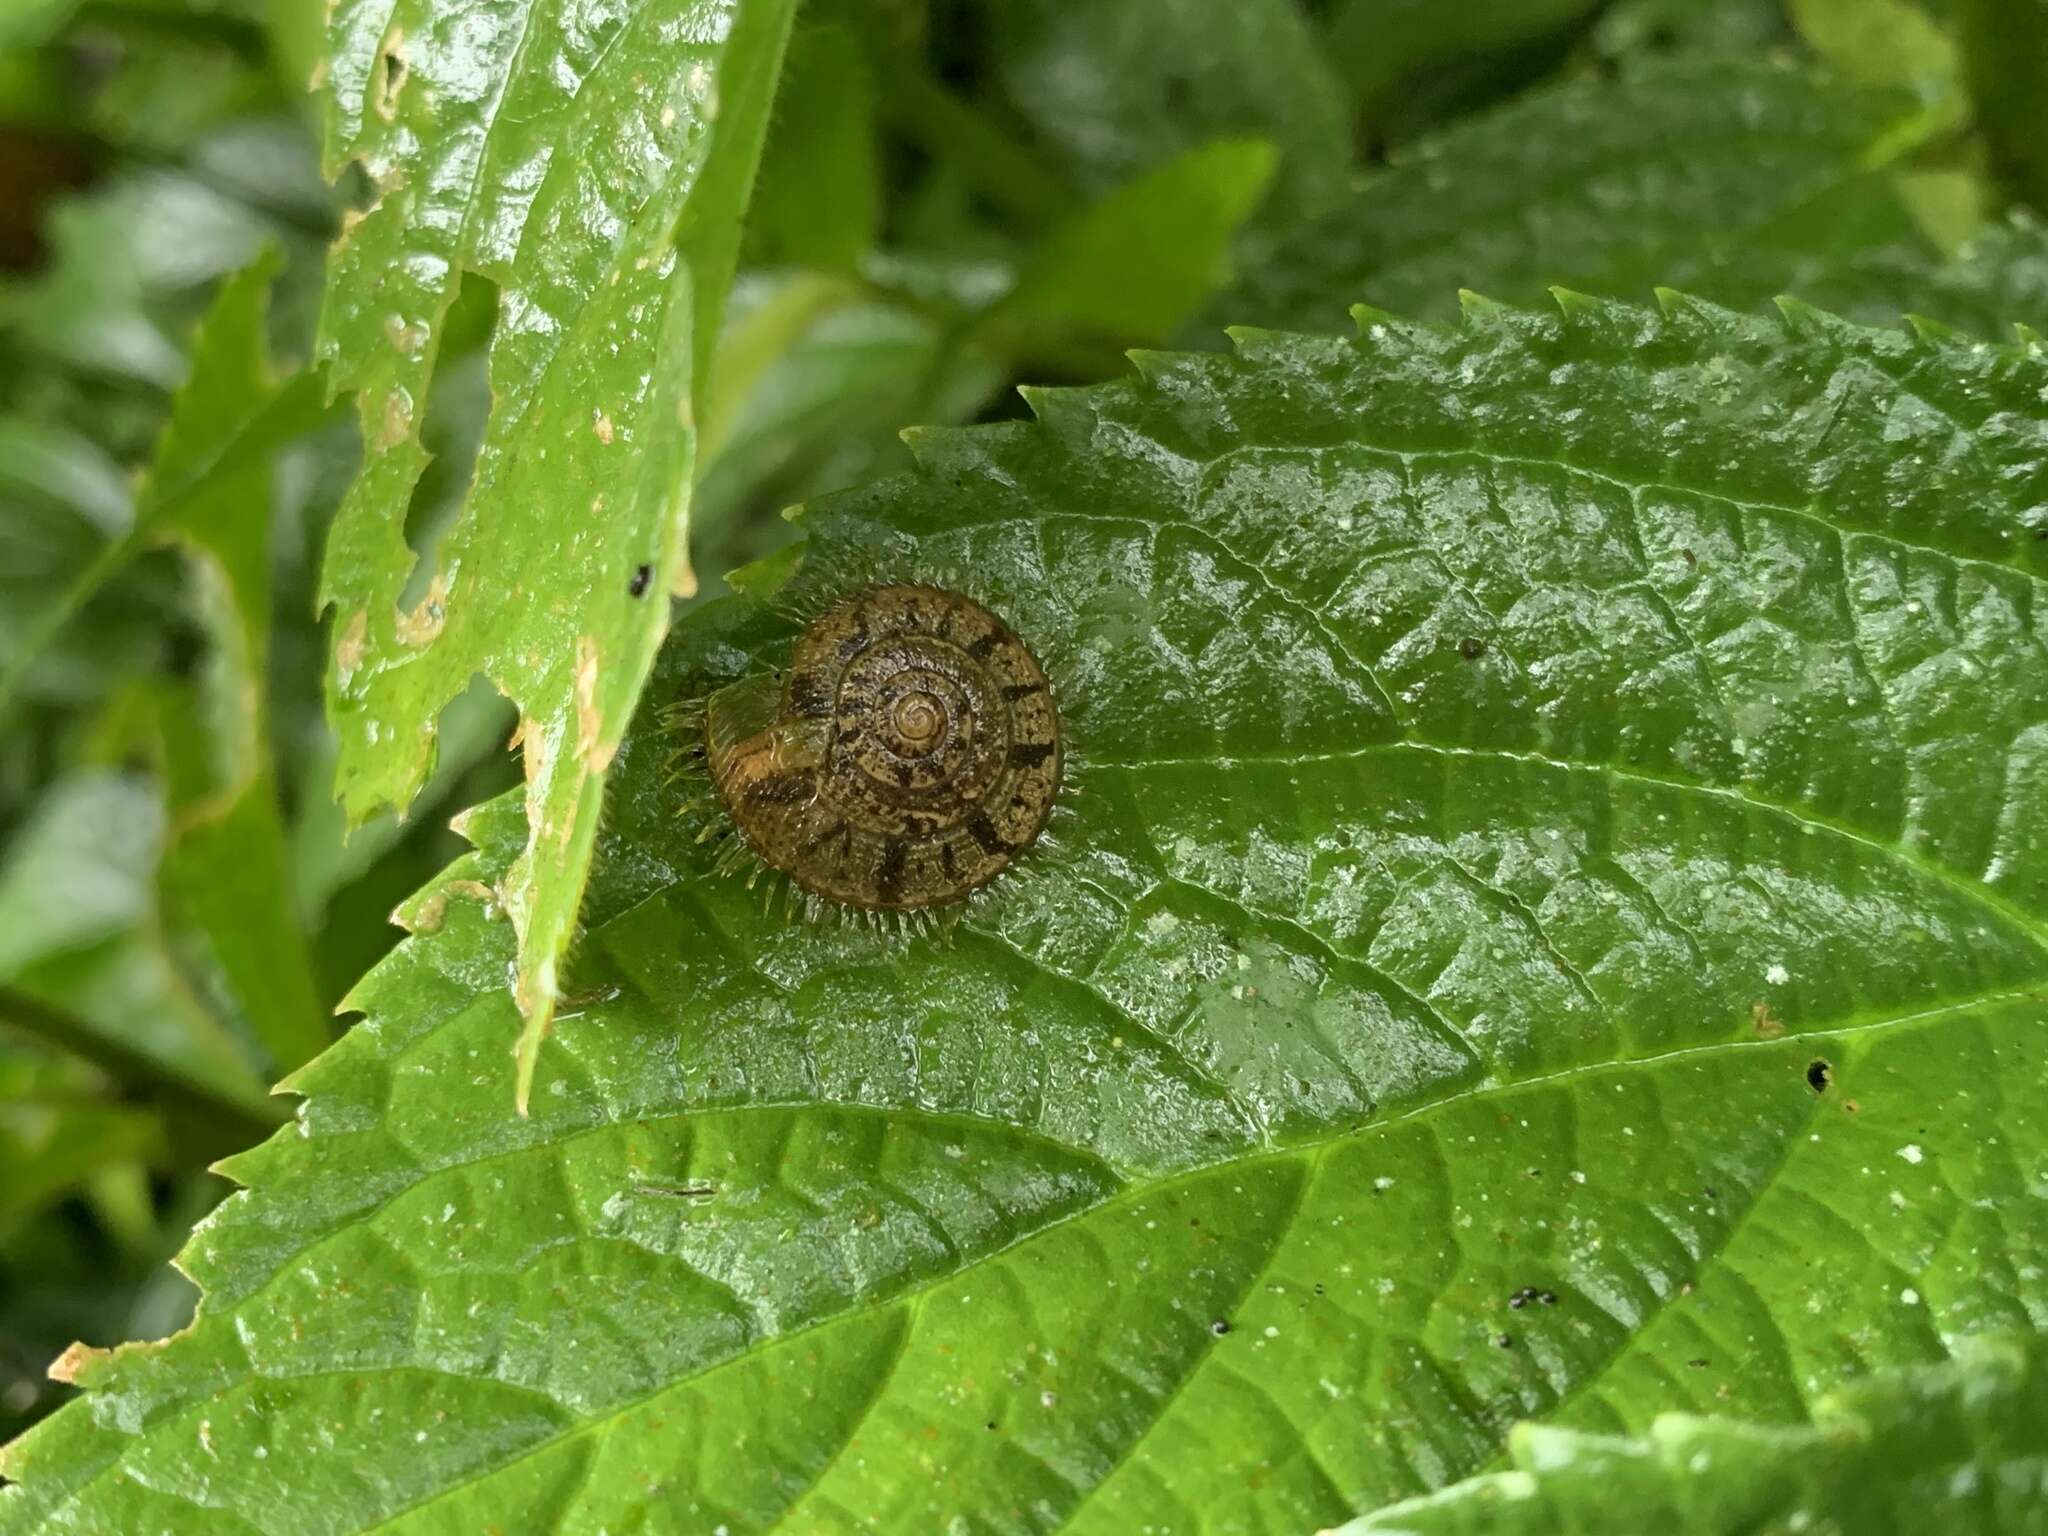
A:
1220,1327
1471,647
1818,1075
642,575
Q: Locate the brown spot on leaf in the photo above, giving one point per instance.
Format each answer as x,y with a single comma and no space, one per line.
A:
407,336
685,582
348,650
1766,1023
423,623
389,74
589,718
429,915
396,425
77,1358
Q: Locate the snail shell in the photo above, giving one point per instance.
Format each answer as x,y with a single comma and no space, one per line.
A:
909,754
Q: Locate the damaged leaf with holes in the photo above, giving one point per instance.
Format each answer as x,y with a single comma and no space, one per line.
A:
592,167
1554,928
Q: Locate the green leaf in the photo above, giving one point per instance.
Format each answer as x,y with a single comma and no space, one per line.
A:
1631,27
225,877
1955,1448
57,1130
1141,263
1740,179
594,168
2005,59
82,957
223,873
1551,923
1388,48
818,202
1118,88
815,379
63,502
1894,42
122,258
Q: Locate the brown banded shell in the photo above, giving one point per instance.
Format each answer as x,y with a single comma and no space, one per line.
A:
909,754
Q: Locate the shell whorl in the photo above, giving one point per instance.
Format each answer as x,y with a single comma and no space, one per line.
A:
910,753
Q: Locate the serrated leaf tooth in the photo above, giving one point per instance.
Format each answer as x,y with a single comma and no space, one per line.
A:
1366,316
1059,409
1477,308
943,451
1800,317
1673,301
1573,304
1156,363
1933,331
1175,374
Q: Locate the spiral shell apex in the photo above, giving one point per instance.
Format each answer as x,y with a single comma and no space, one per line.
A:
910,753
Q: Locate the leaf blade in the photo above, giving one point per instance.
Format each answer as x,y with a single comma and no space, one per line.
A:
1373,1001
495,137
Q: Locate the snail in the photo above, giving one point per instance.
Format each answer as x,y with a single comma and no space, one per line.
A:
908,755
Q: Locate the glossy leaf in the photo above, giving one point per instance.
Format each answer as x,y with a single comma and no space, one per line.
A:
1552,924
1956,1448
1740,179
593,166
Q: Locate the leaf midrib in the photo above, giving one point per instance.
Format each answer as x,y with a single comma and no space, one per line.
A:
1128,1189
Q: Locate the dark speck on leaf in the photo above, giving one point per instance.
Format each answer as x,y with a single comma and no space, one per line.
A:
1698,1365
642,575
1818,1075
1471,647
1220,1327
1503,1341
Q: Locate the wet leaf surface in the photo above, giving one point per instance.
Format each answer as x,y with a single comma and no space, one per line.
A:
1551,924
593,166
